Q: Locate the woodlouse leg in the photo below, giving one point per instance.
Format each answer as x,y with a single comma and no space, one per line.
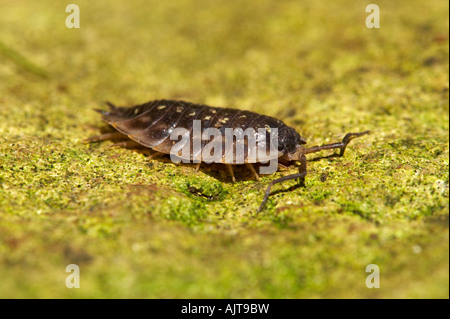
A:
302,171
126,144
342,145
249,165
106,136
155,155
230,169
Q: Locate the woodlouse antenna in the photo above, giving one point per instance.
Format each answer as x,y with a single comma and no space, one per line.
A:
342,145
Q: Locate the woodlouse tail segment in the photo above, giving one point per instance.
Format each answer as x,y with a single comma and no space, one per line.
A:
341,145
112,106
302,171
102,112
112,109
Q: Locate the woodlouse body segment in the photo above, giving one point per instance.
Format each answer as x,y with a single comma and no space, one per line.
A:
151,125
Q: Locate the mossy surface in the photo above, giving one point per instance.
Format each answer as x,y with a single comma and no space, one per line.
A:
145,228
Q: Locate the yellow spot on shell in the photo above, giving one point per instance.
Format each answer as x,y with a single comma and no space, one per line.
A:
161,107
207,117
179,109
192,114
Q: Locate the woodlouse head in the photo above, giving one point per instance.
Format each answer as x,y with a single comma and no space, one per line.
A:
296,155
290,144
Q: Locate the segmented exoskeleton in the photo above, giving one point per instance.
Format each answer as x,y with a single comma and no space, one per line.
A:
151,124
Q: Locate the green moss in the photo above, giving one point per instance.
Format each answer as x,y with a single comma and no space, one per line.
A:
180,209
150,228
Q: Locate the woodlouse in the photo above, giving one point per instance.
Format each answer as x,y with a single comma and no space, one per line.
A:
150,125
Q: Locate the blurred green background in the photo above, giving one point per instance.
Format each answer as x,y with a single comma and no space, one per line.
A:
134,225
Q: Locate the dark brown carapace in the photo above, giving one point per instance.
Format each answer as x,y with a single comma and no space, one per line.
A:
151,124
